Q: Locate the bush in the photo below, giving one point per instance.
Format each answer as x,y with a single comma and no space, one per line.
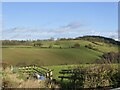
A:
96,76
89,46
76,45
110,57
20,80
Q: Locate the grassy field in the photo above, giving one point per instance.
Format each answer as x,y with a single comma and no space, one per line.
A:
42,57
26,55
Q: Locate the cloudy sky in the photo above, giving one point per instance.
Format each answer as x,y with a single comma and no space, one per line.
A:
33,20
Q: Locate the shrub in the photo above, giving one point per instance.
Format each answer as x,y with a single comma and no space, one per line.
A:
17,80
110,57
96,76
76,45
89,46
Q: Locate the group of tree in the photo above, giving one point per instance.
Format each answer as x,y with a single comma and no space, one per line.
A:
39,44
16,42
99,39
76,45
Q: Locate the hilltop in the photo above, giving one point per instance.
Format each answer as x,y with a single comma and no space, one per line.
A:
99,39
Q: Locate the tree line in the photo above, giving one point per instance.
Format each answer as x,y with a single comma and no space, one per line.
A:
99,39
88,38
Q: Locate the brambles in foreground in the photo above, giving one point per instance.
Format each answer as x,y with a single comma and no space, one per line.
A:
97,76
20,80
74,76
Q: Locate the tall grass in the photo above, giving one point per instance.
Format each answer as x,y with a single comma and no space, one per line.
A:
13,80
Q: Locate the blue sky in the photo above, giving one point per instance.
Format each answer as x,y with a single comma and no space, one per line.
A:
33,20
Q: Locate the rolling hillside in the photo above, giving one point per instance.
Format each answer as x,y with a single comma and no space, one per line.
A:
59,52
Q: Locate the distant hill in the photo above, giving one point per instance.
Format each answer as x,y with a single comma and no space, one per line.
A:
99,39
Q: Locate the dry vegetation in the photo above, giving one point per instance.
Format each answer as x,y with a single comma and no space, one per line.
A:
13,80
90,76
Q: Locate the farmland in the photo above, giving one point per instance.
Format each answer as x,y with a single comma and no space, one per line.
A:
76,56
60,53
49,56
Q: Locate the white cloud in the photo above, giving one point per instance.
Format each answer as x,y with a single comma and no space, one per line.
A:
110,34
73,29
73,25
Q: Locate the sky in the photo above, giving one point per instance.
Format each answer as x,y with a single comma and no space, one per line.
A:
43,20
60,0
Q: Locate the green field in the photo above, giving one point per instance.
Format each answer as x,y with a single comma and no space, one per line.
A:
48,56
29,55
